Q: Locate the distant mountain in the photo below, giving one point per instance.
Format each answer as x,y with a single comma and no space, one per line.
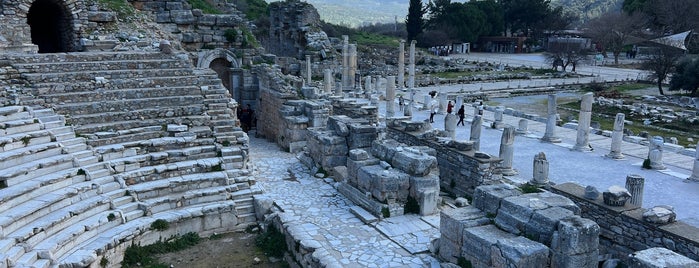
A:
361,12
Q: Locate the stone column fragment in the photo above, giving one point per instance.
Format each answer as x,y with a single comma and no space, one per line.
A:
450,121
443,103
367,84
634,184
522,127
328,80
507,151
476,126
582,141
540,170
411,66
497,116
550,135
655,152
345,62
309,75
352,61
401,65
695,170
390,96
617,137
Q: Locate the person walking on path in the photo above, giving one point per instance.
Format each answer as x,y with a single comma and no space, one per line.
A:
462,114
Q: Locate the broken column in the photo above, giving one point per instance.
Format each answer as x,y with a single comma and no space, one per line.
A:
655,152
550,135
367,84
497,116
582,141
309,77
345,62
541,170
328,80
390,96
507,151
634,184
408,109
522,127
617,137
459,102
476,132
401,65
575,243
427,101
442,102
695,170
450,121
352,61
411,66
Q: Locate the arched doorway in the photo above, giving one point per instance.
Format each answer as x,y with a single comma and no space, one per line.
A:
223,68
51,26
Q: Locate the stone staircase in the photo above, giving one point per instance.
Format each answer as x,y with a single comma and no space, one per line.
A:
87,165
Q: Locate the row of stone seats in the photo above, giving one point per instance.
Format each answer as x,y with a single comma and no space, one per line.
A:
86,57
81,66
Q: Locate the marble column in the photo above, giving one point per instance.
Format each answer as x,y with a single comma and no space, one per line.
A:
476,127
541,170
411,66
426,104
345,62
450,125
309,75
352,66
550,135
617,137
328,79
695,170
634,184
390,96
401,65
497,116
522,127
410,103
582,141
507,152
338,88
459,102
442,102
655,152
367,83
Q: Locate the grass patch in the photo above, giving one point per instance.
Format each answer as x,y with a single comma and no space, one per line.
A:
411,206
528,189
144,256
123,8
204,5
367,39
272,242
249,40
385,212
630,87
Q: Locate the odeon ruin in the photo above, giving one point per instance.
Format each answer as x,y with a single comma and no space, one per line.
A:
102,133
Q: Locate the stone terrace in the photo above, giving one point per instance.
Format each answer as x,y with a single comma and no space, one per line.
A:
103,144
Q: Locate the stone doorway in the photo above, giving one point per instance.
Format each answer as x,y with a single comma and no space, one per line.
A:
223,68
51,26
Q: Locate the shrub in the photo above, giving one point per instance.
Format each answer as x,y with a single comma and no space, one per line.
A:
646,164
272,242
385,212
411,206
160,225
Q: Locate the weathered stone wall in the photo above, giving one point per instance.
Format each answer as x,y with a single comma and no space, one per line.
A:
353,109
623,230
461,171
295,30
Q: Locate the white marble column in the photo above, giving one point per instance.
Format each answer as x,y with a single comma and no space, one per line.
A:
427,101
352,66
634,184
541,170
497,116
328,80
450,125
390,96
655,152
408,109
345,62
442,102
401,65
550,135
617,137
582,141
309,75
476,127
367,83
522,127
507,152
695,170
411,66
459,102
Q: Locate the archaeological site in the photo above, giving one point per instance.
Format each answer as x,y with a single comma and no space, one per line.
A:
130,123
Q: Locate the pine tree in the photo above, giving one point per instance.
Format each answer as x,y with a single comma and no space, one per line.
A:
414,23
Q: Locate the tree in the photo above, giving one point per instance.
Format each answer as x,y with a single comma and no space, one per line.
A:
686,76
522,15
615,30
633,6
495,17
566,53
662,63
414,22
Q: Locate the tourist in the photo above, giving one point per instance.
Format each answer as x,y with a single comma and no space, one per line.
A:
462,115
480,108
400,102
450,106
433,110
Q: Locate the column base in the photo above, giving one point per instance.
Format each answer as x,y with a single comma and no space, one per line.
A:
506,171
551,139
584,148
615,156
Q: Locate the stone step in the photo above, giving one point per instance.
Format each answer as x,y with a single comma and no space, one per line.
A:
46,67
162,187
37,168
106,75
113,121
62,137
20,126
125,138
132,215
245,209
61,131
41,89
30,189
8,111
18,156
147,173
98,107
87,57
121,94
188,198
27,258
41,263
19,115
13,254
20,140
247,218
42,112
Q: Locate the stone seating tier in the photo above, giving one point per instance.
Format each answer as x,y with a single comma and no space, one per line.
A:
65,98
83,108
46,67
62,77
49,89
85,57
114,121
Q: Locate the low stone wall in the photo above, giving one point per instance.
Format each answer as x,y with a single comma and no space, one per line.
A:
353,109
623,230
460,170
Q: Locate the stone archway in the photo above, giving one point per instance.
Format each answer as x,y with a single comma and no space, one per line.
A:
51,24
227,66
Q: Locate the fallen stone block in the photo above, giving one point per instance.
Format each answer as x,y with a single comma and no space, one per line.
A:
659,257
487,197
519,252
575,235
478,243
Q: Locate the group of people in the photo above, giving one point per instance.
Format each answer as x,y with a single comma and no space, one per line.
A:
247,117
461,112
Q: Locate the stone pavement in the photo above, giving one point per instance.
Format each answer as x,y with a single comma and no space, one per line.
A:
321,216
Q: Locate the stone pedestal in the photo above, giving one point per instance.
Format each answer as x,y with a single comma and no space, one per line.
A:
401,65
522,127
634,184
617,137
550,135
497,116
411,66
582,141
655,152
695,170
309,75
390,96
541,170
507,152
476,132
450,125
328,81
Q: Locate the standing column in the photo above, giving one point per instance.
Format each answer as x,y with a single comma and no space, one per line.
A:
497,116
582,141
345,62
476,132
367,83
352,66
411,66
550,135
390,96
617,137
695,170
523,127
507,151
459,102
450,121
634,184
309,75
541,170
655,152
428,100
442,102
401,65
328,79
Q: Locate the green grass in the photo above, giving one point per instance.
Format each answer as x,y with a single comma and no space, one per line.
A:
123,9
365,39
630,87
204,5
144,256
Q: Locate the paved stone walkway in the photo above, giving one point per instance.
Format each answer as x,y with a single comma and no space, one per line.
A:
322,216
